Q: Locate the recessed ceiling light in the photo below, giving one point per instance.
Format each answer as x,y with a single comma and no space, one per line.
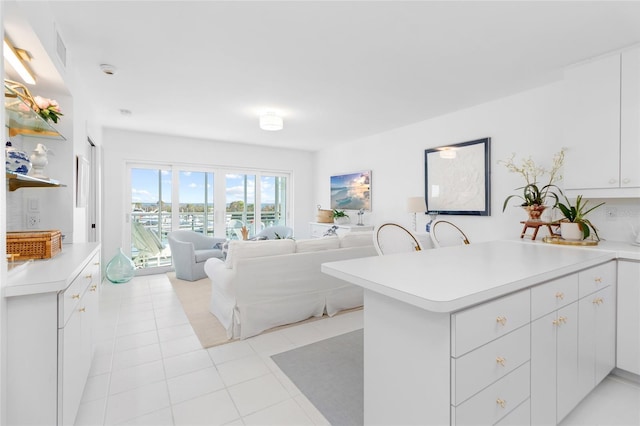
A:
271,121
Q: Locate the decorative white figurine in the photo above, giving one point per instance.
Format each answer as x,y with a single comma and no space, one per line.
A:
39,161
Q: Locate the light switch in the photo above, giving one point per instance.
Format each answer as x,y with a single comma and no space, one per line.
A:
33,205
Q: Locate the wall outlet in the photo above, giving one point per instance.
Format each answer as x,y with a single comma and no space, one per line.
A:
611,213
33,220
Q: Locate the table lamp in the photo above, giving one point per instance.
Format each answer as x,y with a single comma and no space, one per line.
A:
416,205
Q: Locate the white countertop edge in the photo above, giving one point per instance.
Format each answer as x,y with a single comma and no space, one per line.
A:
51,275
449,306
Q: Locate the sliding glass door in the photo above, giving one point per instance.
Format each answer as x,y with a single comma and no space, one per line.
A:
150,217
214,202
195,197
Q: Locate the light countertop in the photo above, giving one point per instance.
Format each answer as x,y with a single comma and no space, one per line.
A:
454,278
50,275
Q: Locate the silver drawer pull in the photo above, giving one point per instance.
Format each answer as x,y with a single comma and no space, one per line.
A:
502,320
560,295
93,288
96,263
501,361
75,296
88,276
82,310
598,301
501,402
598,280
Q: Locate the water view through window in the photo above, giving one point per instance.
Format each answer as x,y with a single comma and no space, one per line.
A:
163,200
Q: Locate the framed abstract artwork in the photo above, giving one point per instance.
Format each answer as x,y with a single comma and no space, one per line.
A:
457,178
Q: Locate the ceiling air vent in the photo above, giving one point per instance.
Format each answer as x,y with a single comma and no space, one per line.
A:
61,49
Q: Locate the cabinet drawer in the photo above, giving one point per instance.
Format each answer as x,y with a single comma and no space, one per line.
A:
593,279
483,366
518,417
553,295
476,326
496,401
68,300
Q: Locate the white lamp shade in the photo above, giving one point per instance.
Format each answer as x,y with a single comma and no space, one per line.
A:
271,121
416,205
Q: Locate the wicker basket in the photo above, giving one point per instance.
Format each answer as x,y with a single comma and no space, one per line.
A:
324,216
35,244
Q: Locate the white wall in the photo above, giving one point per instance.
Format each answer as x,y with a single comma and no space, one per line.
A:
57,206
121,146
528,123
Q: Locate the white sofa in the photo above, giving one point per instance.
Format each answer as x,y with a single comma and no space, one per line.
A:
264,284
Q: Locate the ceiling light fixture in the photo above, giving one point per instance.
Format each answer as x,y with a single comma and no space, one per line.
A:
271,121
17,58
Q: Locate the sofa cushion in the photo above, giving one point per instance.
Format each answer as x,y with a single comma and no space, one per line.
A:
317,244
356,239
248,249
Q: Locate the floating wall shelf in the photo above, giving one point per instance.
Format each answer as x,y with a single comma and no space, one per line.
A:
16,180
22,119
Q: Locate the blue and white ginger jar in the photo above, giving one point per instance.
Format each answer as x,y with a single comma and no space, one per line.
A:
16,161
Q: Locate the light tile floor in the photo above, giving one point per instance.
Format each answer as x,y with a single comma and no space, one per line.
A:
149,369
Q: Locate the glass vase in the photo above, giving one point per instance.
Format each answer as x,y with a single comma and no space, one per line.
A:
120,269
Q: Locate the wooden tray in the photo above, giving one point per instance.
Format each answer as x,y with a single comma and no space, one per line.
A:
558,240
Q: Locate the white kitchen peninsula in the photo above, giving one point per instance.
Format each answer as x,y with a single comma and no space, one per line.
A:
461,335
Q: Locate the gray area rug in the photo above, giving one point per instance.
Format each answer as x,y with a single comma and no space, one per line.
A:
330,374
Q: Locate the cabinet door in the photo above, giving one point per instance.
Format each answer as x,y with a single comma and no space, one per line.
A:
605,331
543,370
567,358
596,338
592,133
71,380
628,331
630,119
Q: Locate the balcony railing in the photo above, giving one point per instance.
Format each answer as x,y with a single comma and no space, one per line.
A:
160,224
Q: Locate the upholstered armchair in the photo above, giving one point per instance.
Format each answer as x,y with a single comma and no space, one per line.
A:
190,250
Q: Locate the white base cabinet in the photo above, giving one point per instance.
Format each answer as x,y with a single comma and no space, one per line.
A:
50,337
318,229
628,327
529,357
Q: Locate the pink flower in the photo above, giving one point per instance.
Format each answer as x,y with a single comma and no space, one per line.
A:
48,109
43,103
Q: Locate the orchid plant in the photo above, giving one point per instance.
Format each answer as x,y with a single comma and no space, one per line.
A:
533,194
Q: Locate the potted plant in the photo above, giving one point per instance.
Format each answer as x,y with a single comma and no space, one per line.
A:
340,217
533,199
574,226
534,195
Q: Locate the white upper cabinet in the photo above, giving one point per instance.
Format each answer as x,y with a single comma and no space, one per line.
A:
602,133
630,120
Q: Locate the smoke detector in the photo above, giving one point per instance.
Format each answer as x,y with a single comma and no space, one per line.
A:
108,69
